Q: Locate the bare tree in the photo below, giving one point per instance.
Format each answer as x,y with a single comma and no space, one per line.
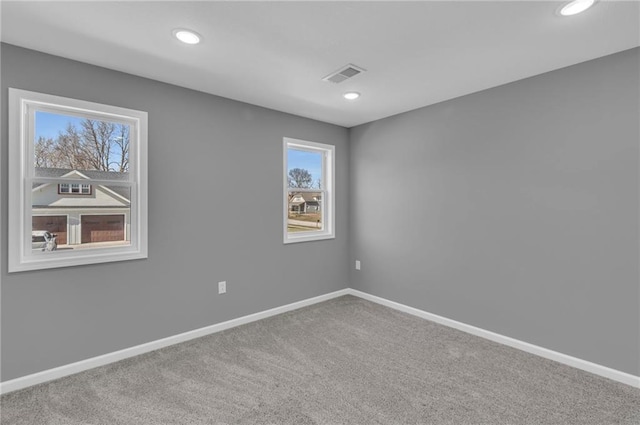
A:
97,140
300,178
96,145
44,153
121,142
69,151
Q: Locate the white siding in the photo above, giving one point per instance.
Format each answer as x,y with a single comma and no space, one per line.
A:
100,197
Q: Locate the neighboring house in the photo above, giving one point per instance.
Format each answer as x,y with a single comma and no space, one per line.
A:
81,213
305,202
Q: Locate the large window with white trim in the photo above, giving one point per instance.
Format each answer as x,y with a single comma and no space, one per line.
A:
77,182
308,191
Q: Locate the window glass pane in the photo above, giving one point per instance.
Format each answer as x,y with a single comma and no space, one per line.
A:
66,142
305,213
63,222
304,169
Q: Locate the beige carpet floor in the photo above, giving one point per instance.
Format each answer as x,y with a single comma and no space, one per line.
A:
344,361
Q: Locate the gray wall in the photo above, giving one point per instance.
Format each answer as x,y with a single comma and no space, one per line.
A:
514,209
230,151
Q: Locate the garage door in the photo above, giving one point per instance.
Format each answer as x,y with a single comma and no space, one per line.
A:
102,228
53,223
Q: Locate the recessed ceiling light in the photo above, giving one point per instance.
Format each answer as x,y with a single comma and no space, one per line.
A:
186,36
576,6
351,95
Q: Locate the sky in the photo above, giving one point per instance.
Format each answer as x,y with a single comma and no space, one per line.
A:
310,161
49,125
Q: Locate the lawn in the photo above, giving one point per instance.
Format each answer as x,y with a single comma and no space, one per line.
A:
312,217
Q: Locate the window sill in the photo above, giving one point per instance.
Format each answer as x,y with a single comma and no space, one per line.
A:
90,256
307,238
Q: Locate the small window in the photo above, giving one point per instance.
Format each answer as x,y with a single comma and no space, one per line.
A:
308,191
74,188
72,161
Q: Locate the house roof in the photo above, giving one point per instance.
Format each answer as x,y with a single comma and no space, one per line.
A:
307,196
90,174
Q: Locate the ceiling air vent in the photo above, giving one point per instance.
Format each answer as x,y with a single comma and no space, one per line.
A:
344,73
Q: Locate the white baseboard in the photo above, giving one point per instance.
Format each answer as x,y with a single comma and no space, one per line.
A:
594,368
73,368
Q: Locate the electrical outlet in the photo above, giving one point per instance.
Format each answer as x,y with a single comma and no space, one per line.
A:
357,264
222,287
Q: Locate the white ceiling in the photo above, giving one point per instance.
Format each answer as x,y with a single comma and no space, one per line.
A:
274,54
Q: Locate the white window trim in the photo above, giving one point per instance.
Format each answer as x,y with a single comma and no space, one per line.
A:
328,184
21,257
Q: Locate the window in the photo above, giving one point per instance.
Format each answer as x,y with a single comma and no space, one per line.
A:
308,191
74,188
77,182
